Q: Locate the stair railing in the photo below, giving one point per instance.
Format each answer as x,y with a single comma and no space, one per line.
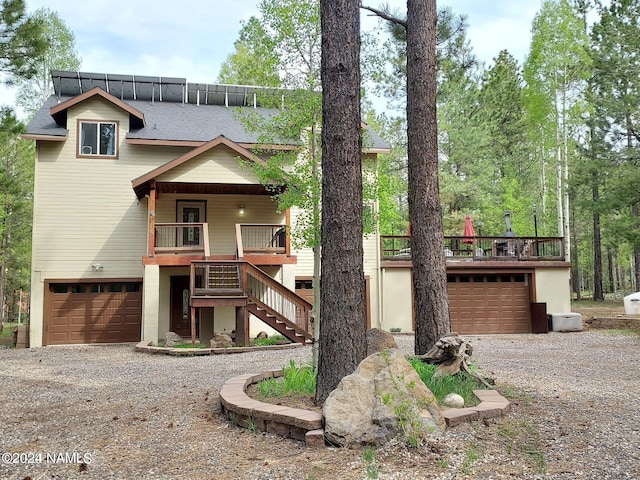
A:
263,289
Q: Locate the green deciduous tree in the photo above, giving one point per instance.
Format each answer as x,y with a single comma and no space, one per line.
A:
59,54
556,71
254,61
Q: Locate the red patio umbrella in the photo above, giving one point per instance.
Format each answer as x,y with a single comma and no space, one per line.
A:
469,234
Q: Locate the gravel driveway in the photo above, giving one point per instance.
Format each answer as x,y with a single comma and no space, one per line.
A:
130,415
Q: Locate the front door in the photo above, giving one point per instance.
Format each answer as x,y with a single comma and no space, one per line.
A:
180,308
190,212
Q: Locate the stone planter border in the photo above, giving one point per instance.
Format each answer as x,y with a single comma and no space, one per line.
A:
307,426
190,352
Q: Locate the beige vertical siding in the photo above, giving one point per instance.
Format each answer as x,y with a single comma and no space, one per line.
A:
397,307
554,289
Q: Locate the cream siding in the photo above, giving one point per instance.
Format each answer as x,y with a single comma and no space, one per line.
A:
85,210
370,244
553,288
219,165
223,212
397,303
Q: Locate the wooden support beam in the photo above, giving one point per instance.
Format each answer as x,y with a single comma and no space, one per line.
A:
287,214
242,327
193,325
152,219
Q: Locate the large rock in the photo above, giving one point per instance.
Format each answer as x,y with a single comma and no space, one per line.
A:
221,340
171,339
368,404
379,340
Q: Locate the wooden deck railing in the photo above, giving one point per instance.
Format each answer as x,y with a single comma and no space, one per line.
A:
398,247
234,278
261,239
181,238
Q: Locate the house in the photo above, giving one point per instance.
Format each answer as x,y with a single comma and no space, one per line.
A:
146,221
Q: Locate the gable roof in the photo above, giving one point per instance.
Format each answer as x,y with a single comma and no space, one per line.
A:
59,110
142,184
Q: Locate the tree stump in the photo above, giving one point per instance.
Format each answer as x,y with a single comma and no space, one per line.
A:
451,354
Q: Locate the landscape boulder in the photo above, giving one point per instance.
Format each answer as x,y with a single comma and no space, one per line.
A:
171,339
221,340
262,335
379,340
453,400
371,405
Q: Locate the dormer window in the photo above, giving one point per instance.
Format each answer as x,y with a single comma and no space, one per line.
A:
97,139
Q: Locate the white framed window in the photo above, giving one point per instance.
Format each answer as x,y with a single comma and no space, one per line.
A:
97,139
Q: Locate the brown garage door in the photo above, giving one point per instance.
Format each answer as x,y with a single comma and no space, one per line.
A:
92,313
485,304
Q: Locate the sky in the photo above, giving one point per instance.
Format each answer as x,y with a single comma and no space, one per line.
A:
191,40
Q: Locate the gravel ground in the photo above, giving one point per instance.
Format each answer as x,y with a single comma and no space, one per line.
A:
131,415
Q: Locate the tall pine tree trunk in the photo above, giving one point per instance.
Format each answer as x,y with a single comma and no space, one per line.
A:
431,302
342,293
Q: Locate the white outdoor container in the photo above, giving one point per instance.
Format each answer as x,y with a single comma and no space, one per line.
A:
632,304
566,322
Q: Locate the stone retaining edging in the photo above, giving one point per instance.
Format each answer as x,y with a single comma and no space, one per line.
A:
190,352
307,426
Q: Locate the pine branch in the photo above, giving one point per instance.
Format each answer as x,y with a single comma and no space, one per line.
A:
385,15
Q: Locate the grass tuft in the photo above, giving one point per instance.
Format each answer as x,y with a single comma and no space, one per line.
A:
299,380
461,383
276,339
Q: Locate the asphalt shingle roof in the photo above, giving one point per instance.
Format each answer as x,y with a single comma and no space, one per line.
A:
178,122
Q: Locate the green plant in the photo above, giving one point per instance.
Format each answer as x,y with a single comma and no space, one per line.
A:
251,425
7,330
273,340
369,457
442,463
471,456
189,345
300,380
395,329
461,383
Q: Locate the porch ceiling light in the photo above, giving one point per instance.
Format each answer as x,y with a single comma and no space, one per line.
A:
241,209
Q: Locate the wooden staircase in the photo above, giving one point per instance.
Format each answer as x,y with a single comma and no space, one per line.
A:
279,323
242,283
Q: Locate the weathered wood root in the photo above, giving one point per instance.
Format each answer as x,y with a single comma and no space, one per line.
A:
451,354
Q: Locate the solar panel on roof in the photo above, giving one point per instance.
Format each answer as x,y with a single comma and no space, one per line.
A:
165,89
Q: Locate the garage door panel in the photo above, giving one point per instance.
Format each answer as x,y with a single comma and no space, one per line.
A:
92,315
489,304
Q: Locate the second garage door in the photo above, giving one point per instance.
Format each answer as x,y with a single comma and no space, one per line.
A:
77,313
487,304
